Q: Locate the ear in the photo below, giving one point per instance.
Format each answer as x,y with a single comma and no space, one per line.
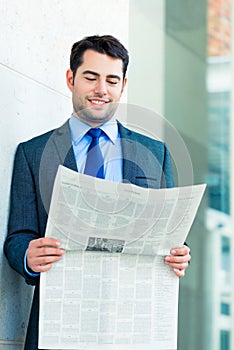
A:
69,78
124,84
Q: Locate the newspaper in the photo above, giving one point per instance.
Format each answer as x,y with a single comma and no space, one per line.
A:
112,290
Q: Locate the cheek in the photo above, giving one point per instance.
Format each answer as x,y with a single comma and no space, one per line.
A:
81,89
115,94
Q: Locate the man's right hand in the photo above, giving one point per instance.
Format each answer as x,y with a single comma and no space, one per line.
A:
42,253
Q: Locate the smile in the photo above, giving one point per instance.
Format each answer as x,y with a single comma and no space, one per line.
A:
98,102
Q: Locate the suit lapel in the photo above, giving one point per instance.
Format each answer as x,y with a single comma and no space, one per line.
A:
57,150
62,141
129,154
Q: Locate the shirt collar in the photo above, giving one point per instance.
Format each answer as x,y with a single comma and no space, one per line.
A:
79,129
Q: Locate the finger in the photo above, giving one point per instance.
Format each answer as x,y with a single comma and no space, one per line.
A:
43,263
45,255
185,250
179,273
34,254
47,259
43,242
42,268
183,266
177,259
49,251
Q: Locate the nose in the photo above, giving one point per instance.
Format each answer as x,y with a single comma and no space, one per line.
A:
100,87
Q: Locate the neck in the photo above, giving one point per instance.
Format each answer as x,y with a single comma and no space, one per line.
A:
93,124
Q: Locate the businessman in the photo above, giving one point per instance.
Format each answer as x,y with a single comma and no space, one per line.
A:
93,142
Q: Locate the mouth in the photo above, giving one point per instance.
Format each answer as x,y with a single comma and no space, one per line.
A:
94,101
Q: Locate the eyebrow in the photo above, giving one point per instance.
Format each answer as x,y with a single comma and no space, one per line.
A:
113,76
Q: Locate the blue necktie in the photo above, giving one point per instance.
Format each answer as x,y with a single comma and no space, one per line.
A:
94,165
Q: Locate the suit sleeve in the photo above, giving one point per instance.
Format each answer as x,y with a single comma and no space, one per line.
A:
23,216
167,179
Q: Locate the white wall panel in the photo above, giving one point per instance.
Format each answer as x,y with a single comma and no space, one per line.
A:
38,34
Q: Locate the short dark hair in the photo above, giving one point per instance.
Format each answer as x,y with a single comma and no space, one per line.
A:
105,44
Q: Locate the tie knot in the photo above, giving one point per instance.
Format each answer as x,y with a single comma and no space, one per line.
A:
95,133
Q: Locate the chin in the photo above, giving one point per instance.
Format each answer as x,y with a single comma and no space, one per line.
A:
102,118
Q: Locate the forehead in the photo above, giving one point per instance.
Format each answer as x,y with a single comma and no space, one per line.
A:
101,63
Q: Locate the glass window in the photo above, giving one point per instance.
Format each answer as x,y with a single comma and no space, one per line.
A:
218,141
225,253
225,309
224,340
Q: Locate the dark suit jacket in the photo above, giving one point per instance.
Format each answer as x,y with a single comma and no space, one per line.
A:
146,163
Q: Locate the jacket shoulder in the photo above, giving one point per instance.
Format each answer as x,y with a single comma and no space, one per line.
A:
37,141
31,150
141,138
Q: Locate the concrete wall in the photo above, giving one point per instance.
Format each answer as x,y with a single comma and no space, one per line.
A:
186,109
35,41
146,72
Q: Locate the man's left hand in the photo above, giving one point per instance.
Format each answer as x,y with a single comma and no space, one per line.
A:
178,260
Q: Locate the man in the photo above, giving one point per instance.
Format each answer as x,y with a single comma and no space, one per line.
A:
96,78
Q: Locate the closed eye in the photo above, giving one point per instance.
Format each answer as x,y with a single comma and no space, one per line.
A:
90,79
111,82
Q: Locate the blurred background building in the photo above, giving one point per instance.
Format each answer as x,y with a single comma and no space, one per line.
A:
198,57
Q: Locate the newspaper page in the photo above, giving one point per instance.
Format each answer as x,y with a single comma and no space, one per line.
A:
112,290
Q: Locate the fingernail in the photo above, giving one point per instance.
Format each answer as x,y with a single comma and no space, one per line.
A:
173,252
167,258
